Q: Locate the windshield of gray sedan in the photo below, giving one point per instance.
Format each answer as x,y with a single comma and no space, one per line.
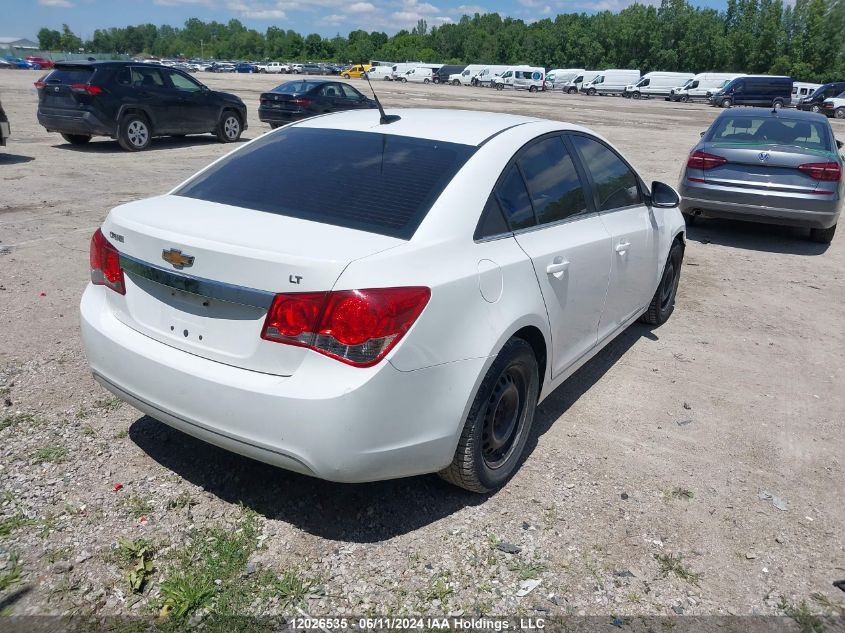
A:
381,183
769,130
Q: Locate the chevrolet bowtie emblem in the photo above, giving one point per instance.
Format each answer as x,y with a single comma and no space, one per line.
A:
175,257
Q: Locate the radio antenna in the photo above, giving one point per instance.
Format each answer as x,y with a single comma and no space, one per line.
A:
385,118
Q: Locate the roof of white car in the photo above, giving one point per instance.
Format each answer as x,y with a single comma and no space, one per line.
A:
469,127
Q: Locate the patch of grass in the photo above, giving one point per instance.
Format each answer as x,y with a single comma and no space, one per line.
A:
48,524
50,454
438,588
214,554
672,564
827,603
681,493
550,516
493,540
140,555
181,501
291,588
137,506
807,621
88,431
121,435
526,570
108,404
12,573
62,553
18,418
15,523
634,598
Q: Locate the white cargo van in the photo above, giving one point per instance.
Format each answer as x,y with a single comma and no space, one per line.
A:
380,73
699,86
420,74
801,90
611,82
465,77
485,75
529,78
559,76
656,84
574,85
399,70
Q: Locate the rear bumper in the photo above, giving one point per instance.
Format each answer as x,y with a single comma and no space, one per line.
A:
69,121
737,204
328,420
273,115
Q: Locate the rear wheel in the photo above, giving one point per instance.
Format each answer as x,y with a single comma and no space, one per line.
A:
426,80
532,89
134,133
823,236
839,113
726,103
229,127
76,139
777,104
663,303
493,439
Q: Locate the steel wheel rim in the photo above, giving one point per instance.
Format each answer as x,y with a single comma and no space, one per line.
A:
231,127
502,425
137,133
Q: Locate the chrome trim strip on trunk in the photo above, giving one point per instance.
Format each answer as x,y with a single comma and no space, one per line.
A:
197,285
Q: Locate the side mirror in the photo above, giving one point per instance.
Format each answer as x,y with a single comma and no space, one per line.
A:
702,133
663,196
840,144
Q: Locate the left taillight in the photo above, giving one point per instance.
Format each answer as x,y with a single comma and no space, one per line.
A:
105,264
357,327
830,172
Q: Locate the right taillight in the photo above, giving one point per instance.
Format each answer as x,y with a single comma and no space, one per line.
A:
705,161
357,327
830,172
105,264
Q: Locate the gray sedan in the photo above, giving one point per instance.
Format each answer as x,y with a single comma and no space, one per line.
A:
777,167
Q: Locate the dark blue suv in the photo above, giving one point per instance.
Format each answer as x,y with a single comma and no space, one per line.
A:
133,102
763,91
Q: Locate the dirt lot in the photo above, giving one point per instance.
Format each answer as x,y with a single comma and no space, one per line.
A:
641,494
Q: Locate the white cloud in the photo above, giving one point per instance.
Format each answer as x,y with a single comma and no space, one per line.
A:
177,3
257,10
361,7
61,4
469,9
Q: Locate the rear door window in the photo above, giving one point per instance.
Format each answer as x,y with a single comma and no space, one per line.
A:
316,175
554,186
614,183
147,77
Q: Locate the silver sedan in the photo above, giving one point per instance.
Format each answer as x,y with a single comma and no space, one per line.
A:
776,167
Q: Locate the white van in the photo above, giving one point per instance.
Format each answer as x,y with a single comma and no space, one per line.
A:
420,74
466,76
399,70
656,84
380,73
531,78
699,86
801,89
485,75
559,76
611,82
574,85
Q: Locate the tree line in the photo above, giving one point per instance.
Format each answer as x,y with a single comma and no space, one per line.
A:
805,40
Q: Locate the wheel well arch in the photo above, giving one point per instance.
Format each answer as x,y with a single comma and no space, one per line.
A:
534,337
135,109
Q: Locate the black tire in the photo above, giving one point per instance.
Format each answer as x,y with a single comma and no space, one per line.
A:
346,75
777,104
591,92
684,99
436,80
636,95
500,86
77,139
404,80
663,303
726,103
134,133
456,82
572,91
426,80
823,236
839,113
505,404
229,127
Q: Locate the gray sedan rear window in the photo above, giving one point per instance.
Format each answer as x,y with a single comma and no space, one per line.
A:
754,131
373,182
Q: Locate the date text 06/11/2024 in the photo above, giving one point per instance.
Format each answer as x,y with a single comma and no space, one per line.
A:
419,623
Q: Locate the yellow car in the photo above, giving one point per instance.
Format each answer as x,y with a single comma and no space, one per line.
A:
355,72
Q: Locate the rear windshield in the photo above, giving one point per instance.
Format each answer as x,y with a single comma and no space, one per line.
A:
72,75
373,182
295,87
754,131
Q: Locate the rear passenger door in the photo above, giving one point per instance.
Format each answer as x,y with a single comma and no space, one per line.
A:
549,209
619,199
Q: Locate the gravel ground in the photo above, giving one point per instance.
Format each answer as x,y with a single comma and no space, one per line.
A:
691,469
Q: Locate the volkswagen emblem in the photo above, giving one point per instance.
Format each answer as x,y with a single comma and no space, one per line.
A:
763,156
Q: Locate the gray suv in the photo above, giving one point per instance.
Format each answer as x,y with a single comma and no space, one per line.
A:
776,167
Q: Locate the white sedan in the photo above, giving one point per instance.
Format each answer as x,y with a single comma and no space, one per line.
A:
275,306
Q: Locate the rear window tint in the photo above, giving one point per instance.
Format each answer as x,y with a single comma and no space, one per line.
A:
765,131
69,76
379,183
295,87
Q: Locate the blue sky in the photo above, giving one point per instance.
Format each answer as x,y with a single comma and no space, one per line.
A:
24,17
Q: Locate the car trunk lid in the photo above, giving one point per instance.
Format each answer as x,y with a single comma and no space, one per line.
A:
200,275
56,90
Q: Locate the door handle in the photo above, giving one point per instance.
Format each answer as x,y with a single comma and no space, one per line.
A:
621,247
558,267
